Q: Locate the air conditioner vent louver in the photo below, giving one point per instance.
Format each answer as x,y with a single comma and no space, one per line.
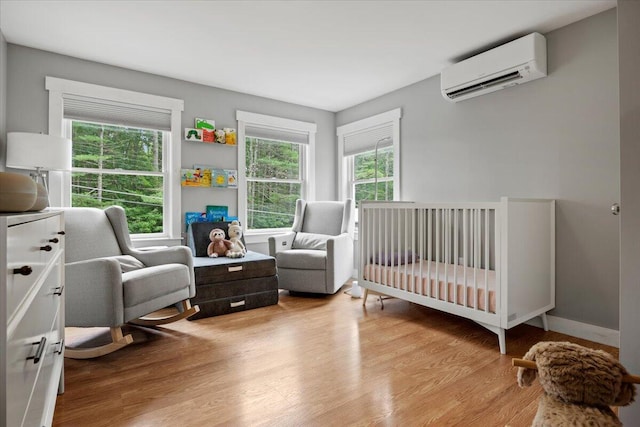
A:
519,61
486,84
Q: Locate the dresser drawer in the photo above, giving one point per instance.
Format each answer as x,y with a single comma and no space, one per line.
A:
51,237
32,333
45,388
25,241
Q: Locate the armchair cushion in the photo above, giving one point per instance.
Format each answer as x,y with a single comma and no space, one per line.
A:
302,259
310,241
128,263
147,284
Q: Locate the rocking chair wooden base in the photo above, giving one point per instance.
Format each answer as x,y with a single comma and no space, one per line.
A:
187,311
118,340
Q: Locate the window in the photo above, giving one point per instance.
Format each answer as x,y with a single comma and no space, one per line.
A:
126,151
362,169
123,166
276,165
370,149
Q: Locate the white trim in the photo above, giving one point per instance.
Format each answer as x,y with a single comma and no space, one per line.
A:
244,119
276,122
310,165
60,181
112,94
369,122
580,330
242,175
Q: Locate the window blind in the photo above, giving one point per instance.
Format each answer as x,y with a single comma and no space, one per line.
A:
365,140
114,112
276,134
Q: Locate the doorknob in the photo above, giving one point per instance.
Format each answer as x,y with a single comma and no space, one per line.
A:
615,208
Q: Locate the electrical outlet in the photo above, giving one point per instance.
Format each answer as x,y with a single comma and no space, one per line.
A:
284,243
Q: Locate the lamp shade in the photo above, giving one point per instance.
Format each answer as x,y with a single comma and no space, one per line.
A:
38,151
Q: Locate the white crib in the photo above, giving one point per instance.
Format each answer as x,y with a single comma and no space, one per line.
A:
493,263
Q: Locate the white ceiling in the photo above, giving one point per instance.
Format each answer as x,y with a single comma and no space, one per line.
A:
323,54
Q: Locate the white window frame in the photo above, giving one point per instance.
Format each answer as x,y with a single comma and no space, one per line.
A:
60,182
307,173
345,171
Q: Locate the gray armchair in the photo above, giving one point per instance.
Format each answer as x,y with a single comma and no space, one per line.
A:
109,283
316,256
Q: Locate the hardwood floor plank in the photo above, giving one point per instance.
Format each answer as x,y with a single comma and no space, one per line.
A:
306,361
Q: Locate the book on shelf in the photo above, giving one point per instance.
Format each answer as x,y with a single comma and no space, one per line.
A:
205,123
219,178
195,177
191,134
217,213
232,178
191,217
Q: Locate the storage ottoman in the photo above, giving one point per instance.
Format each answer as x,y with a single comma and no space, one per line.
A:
226,285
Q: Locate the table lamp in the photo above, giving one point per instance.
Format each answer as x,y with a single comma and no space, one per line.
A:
39,152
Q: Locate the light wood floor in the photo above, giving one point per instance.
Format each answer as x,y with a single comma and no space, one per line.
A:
308,362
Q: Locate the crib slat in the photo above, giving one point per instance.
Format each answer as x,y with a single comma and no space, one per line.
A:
438,240
475,258
380,239
465,251
447,254
413,251
456,225
430,258
406,236
421,232
486,260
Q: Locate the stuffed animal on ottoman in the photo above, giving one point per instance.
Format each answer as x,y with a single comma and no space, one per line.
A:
580,384
219,246
235,233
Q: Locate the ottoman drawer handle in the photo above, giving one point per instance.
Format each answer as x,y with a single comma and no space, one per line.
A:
235,268
236,304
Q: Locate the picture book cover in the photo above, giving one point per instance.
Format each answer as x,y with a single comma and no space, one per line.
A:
195,178
232,178
219,178
191,217
205,124
193,134
208,135
217,213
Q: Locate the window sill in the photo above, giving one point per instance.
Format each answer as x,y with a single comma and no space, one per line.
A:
262,236
144,242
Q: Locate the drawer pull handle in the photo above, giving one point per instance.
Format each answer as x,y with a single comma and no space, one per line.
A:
235,268
25,270
61,233
54,240
61,344
58,290
236,304
36,358
46,248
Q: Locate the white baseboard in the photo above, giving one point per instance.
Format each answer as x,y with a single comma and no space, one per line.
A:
580,330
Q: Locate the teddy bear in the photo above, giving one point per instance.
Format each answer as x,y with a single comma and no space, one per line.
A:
235,233
580,384
219,246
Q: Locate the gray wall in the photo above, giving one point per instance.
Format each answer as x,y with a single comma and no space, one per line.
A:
629,60
27,100
555,137
3,97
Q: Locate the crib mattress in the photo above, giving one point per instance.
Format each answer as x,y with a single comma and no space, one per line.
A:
448,285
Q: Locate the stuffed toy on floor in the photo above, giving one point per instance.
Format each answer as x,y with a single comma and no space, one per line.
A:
580,384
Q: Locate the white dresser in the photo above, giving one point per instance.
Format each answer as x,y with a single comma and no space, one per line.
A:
32,308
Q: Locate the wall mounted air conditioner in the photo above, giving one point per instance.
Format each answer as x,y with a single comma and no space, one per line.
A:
510,64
